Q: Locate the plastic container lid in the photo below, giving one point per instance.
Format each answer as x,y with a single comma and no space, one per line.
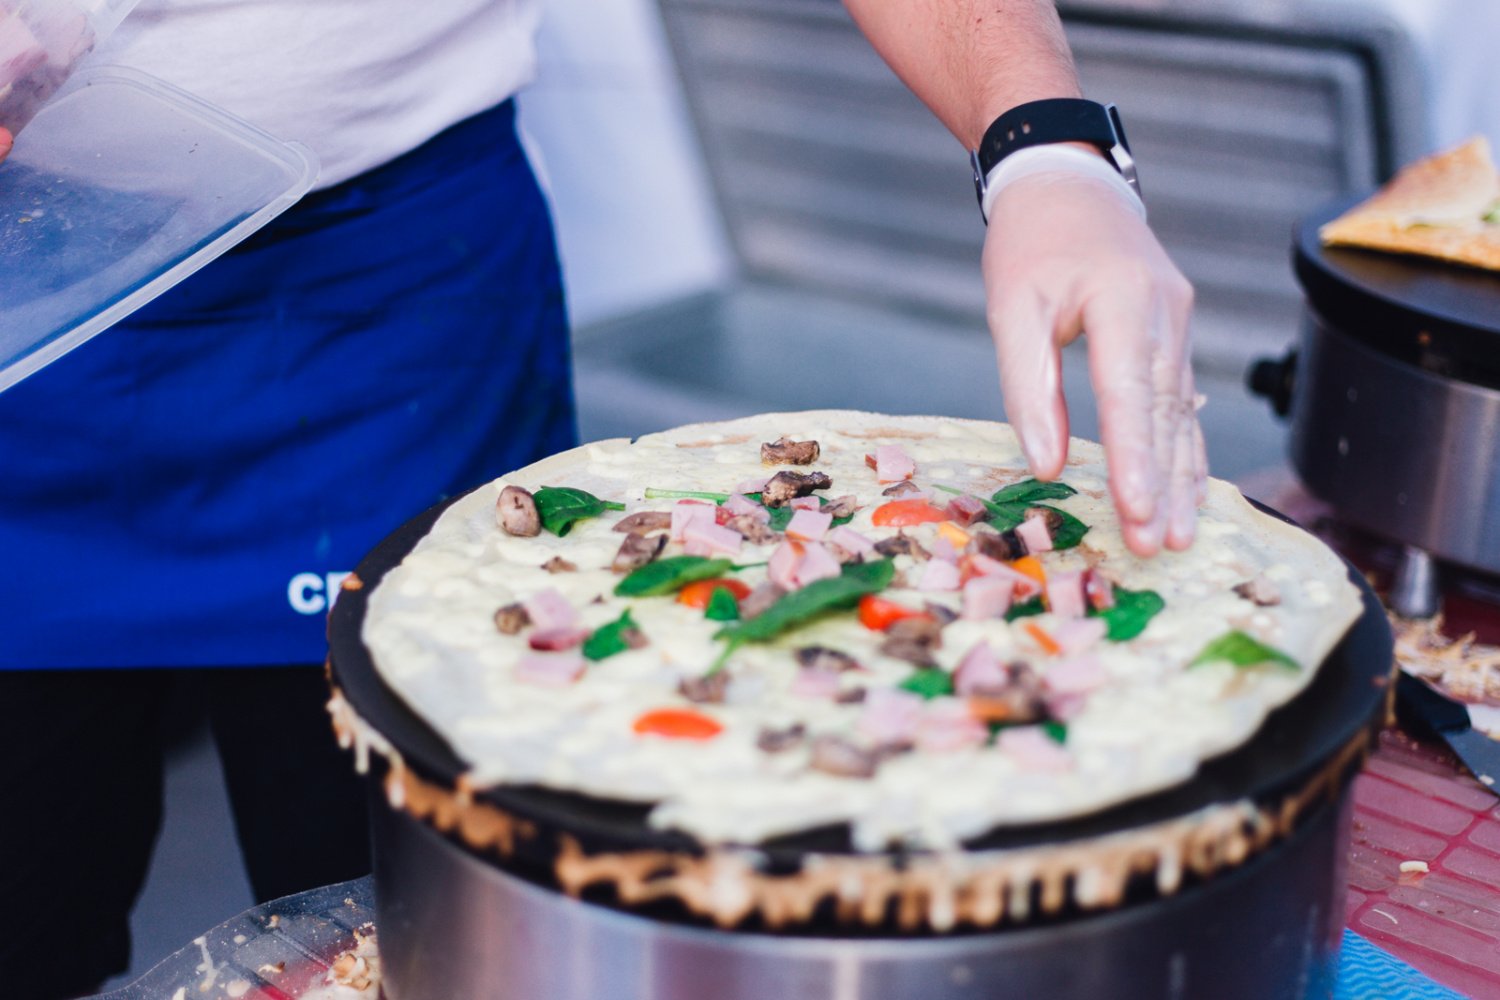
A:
122,186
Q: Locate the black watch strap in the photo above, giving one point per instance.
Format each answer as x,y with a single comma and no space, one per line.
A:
1058,119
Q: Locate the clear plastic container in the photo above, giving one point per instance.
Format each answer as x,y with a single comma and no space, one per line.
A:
41,44
123,186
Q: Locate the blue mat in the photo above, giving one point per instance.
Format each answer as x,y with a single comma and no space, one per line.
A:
1370,973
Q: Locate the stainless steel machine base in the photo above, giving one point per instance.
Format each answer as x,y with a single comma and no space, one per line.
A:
1405,453
455,928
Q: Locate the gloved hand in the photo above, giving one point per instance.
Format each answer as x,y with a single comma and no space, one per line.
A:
4,144
1068,253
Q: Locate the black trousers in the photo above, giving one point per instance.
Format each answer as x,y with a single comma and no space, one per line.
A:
81,759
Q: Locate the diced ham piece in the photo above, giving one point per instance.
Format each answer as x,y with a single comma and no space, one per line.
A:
987,597
1075,675
686,512
936,574
850,540
966,509
978,671
554,639
809,525
1026,587
782,567
892,464
815,682
1033,531
752,486
715,538
1034,750
1078,635
1100,590
1065,595
805,503
943,549
738,504
817,564
549,609
890,715
550,669
946,725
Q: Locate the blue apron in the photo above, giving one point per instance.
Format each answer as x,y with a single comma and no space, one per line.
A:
189,488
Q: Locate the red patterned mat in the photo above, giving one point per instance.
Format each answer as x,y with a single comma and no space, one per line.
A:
1415,802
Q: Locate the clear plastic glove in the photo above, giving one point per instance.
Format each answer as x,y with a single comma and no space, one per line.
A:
1067,253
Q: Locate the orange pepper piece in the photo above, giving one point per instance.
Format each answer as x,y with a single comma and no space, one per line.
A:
698,593
905,513
1032,567
677,724
1049,645
879,613
957,537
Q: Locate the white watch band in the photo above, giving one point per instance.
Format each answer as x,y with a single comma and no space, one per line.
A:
1055,159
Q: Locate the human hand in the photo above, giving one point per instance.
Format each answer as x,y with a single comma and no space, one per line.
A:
5,142
1067,253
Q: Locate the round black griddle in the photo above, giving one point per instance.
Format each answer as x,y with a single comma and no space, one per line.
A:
1440,316
1346,697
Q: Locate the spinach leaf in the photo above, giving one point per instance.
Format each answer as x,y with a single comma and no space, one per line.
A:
1132,611
812,601
1026,609
1008,507
722,607
607,640
929,682
560,506
655,494
1239,649
667,576
1057,730
1070,532
1030,491
782,516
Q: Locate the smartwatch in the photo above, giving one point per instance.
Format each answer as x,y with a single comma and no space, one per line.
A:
1059,119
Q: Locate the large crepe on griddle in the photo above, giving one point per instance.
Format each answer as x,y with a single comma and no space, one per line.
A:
1149,725
1445,206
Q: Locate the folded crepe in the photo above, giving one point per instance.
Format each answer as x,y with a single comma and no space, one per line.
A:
1445,206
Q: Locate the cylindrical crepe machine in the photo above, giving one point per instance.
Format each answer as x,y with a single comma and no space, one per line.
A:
1393,397
1229,886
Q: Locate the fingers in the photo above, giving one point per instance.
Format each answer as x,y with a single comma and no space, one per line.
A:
1122,336
1031,379
5,143
1186,468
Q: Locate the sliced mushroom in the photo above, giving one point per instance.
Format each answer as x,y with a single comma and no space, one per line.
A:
901,489
637,550
786,486
516,513
901,544
778,740
823,658
850,696
557,564
707,689
644,521
913,640
751,529
785,451
844,506
835,755
1005,546
1259,591
944,614
512,618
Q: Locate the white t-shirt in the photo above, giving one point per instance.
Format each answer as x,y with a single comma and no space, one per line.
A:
358,81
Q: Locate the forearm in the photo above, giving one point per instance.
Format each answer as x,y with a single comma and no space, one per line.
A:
971,60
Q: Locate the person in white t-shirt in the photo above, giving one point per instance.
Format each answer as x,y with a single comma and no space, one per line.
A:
399,336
